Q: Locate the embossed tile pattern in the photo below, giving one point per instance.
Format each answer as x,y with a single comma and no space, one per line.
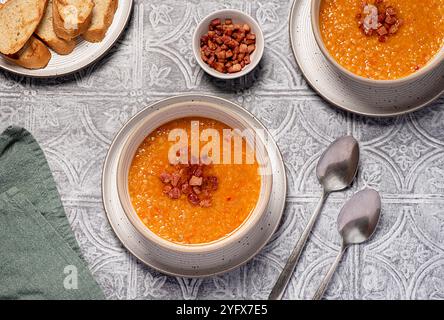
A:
75,118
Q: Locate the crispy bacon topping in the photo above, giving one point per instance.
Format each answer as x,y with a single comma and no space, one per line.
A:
227,47
378,19
190,181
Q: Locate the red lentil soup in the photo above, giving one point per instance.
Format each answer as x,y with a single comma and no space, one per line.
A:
396,45
173,216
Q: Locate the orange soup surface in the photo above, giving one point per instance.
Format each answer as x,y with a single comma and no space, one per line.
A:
177,219
385,55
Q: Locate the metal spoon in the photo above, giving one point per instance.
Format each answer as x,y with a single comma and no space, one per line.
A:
357,222
336,170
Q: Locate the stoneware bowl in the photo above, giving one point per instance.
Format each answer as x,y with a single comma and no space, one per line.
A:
433,63
237,17
165,115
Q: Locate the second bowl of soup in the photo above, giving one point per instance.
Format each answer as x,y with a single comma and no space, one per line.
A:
380,42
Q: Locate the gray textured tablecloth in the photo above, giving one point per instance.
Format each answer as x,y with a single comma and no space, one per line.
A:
76,117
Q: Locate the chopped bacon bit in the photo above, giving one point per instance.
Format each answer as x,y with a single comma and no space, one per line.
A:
184,175
196,181
165,177
167,189
197,190
174,193
390,11
193,198
215,22
250,36
204,39
382,31
197,171
235,68
393,29
243,48
175,178
219,66
233,44
186,189
381,17
391,20
221,55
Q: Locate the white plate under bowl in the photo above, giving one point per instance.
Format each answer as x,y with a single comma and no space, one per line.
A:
181,264
346,93
83,55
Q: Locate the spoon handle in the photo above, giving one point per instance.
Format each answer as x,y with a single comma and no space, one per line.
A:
285,276
324,284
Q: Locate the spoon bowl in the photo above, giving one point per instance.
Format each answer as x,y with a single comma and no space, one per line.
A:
357,222
338,165
359,217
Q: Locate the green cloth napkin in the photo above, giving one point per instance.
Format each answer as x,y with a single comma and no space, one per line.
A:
39,256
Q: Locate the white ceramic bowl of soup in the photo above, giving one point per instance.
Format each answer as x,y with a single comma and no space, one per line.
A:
178,111
432,64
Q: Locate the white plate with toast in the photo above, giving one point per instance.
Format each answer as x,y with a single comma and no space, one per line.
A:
48,52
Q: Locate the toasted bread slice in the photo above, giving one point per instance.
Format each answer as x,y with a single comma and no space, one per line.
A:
103,16
45,31
18,20
34,55
71,18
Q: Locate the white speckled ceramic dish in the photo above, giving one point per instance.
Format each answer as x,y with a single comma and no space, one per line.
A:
346,93
83,55
193,263
177,111
237,17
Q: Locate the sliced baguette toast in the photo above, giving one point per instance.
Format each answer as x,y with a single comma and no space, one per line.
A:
34,55
45,31
72,18
18,21
103,15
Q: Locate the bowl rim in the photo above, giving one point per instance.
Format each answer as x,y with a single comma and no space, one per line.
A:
234,236
433,63
258,53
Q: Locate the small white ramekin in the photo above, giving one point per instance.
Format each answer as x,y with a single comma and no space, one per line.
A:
163,116
237,17
432,65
